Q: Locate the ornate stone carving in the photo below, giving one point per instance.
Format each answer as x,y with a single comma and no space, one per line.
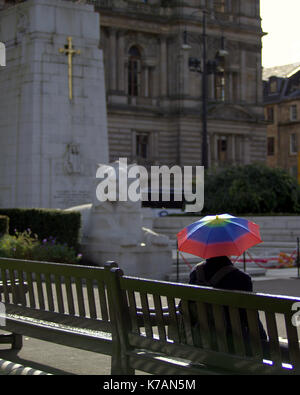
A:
72,160
230,112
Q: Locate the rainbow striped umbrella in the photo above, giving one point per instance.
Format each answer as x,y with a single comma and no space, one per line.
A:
218,235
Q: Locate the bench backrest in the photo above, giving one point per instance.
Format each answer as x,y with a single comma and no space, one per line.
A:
209,343
57,292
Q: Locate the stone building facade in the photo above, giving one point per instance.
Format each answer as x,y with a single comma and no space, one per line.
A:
282,112
154,98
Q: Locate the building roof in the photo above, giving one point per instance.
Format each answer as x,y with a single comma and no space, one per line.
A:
284,71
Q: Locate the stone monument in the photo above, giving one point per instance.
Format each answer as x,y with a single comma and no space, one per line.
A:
53,123
115,231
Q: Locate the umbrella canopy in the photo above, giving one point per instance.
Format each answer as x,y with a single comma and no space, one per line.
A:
218,235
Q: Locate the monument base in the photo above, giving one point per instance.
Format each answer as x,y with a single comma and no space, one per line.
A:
151,262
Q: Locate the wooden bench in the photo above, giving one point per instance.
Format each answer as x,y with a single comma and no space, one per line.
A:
64,304
137,321
146,343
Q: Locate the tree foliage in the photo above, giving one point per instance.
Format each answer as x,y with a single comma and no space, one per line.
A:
251,189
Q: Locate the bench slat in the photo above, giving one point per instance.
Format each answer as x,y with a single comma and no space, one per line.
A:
220,326
91,298
40,291
80,299
59,296
58,318
237,334
30,290
49,292
275,353
186,321
90,272
22,291
70,297
212,359
159,317
256,346
97,341
239,299
204,326
4,285
13,285
173,327
103,300
132,310
146,314
293,341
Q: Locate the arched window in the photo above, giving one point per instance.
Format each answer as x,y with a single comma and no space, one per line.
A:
134,66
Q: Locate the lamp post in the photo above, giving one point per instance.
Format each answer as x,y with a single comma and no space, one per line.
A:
208,67
204,96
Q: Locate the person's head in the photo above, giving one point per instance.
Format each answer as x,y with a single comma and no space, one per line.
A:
218,259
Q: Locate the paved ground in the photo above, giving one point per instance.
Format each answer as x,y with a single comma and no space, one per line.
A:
64,360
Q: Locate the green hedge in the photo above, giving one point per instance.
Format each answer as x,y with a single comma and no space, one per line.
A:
4,225
60,225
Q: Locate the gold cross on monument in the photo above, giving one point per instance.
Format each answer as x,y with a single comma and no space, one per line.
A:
70,52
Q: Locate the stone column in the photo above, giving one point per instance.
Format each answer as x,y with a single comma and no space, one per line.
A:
211,86
259,90
215,148
146,81
113,57
243,80
229,87
163,67
121,65
185,72
246,150
231,149
238,149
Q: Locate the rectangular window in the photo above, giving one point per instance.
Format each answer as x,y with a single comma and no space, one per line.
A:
219,5
273,86
270,114
220,87
142,145
271,146
235,87
294,171
293,144
293,112
222,149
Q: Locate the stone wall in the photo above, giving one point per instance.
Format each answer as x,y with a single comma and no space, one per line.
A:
279,233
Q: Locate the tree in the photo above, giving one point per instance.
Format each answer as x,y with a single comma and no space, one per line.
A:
251,189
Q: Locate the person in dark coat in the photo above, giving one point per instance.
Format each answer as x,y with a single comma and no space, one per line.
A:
234,280
219,272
